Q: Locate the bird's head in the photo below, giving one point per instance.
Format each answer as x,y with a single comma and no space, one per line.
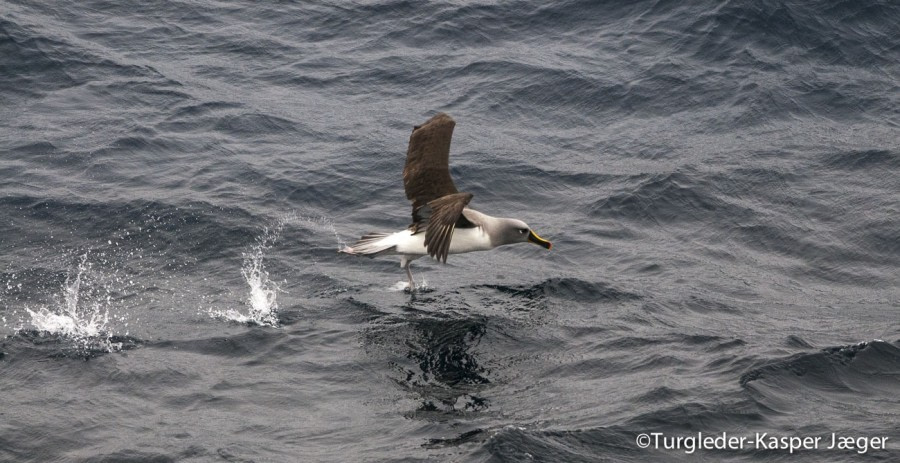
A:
516,231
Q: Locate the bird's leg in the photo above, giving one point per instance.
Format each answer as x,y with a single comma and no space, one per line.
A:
404,264
412,283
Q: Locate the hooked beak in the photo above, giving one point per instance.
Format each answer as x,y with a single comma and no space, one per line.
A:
534,238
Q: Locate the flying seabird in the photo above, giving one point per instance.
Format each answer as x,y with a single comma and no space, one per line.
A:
442,222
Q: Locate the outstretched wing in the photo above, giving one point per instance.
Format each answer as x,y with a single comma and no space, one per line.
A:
426,175
436,204
445,216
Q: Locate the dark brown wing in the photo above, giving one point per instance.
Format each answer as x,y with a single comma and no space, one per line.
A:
426,176
446,214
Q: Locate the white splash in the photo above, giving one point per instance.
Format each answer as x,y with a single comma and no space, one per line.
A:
404,286
263,292
262,300
85,324
321,222
399,286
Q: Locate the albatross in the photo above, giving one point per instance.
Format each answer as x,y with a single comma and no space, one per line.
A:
442,223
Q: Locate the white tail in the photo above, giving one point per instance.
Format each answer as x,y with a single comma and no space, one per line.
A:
371,245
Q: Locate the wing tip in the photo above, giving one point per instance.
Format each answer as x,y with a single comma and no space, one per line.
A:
441,118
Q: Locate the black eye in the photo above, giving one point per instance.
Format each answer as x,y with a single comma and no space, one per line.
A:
523,230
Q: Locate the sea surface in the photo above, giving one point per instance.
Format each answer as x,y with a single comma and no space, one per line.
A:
720,181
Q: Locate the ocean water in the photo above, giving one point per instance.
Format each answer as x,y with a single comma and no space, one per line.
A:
720,180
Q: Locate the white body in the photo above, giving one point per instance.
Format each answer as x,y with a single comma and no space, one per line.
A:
463,240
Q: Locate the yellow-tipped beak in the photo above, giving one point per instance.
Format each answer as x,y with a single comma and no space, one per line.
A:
534,238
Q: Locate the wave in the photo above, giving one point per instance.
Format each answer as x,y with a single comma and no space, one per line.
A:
670,197
736,57
520,443
866,368
46,62
436,360
842,32
572,289
863,160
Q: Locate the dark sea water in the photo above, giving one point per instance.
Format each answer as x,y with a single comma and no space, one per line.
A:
720,180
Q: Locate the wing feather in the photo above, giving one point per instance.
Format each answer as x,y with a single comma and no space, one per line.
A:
426,175
436,204
446,213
